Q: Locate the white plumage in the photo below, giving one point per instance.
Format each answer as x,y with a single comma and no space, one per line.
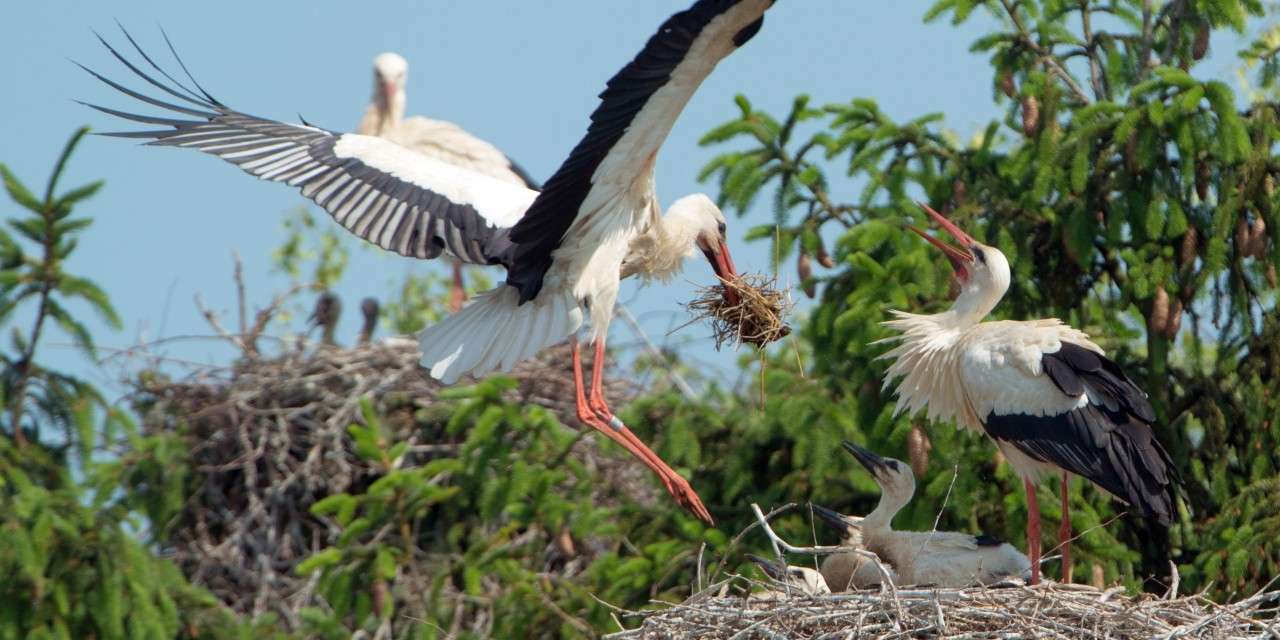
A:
564,248
939,558
789,581
1042,390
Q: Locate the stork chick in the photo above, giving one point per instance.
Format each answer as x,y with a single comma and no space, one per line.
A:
850,571
789,580
325,315
369,309
940,558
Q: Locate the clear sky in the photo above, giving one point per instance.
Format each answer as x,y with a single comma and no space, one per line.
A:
523,75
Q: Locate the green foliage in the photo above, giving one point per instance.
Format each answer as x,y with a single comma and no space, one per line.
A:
1126,203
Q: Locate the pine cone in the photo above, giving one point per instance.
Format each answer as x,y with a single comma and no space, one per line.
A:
1202,180
1271,275
804,271
1006,84
823,257
918,448
1158,321
1190,244
1030,116
1175,320
1242,238
1201,44
958,191
1099,578
1258,238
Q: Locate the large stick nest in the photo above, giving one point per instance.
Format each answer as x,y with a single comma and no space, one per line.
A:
1047,611
268,439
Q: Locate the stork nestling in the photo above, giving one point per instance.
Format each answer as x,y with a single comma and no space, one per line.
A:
1045,393
565,249
848,571
944,559
445,141
789,580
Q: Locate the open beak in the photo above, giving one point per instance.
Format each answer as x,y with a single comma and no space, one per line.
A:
768,567
835,519
960,257
870,461
722,264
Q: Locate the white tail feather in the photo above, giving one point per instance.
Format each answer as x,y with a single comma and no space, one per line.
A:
495,332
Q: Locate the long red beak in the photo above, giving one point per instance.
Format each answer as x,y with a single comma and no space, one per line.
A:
388,91
722,263
960,258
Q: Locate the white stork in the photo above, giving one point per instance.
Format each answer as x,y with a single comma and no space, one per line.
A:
789,579
944,559
1045,393
847,571
565,249
446,141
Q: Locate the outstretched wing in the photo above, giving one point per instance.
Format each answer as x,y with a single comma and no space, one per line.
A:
637,110
388,195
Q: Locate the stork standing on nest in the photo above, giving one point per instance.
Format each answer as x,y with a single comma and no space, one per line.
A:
565,249
1047,395
944,559
446,141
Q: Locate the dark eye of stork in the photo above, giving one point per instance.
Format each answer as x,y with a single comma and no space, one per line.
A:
722,228
977,253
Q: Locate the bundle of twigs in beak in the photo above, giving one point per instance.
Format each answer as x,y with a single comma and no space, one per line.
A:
754,317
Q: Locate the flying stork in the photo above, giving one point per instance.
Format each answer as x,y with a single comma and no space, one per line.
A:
944,559
384,117
565,249
1047,395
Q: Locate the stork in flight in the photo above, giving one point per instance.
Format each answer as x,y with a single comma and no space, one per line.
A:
944,559
446,141
565,249
1045,393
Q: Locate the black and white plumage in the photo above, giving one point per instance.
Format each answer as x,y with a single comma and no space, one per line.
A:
946,559
565,249
1043,391
382,192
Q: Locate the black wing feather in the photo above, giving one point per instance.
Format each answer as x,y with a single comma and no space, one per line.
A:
543,227
395,214
1109,441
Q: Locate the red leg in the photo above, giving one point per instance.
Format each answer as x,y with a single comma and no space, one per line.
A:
676,485
457,290
1064,531
1033,530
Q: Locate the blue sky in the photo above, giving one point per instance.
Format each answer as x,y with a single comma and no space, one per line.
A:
523,75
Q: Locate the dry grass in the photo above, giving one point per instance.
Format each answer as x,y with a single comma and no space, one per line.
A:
756,319
1047,611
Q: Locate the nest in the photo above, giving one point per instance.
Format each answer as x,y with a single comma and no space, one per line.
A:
756,319
1047,611
268,439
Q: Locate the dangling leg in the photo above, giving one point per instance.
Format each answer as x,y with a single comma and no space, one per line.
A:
677,486
1033,530
1064,531
457,289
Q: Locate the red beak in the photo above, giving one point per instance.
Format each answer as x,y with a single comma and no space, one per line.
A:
388,90
722,263
960,258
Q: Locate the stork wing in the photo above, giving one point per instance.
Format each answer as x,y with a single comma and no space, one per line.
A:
451,143
402,201
1079,412
637,110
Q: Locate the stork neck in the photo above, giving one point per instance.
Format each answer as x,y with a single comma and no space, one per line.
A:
881,518
383,114
973,304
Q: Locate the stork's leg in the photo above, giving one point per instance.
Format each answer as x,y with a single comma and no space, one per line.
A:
1033,530
1064,531
457,290
676,485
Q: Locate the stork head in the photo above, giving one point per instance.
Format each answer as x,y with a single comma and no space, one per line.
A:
696,221
803,579
897,485
849,527
981,270
390,72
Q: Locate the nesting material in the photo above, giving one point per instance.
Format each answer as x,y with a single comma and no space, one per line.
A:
1047,611
757,318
